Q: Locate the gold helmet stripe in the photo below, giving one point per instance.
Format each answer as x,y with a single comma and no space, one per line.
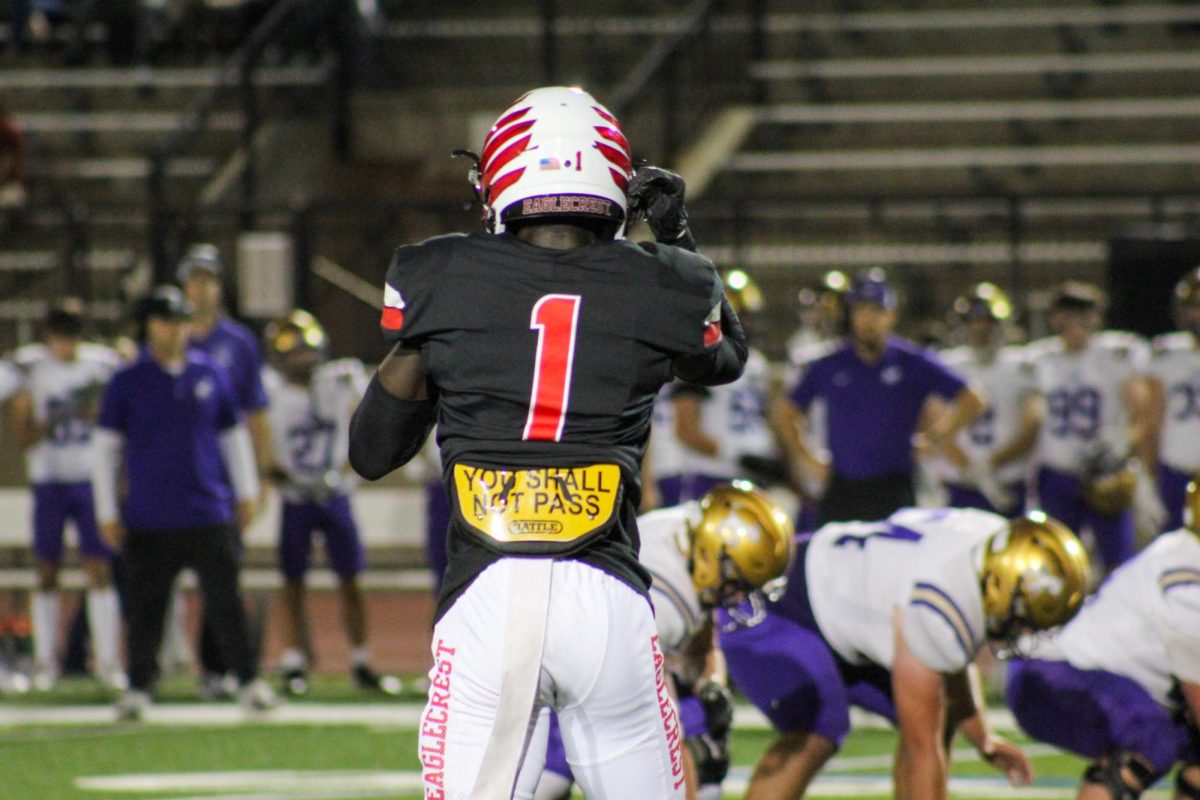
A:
1183,576
661,584
930,596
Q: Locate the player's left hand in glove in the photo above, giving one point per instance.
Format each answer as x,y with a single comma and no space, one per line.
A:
657,195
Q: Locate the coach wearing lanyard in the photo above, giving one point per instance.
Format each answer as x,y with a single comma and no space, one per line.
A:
170,418
875,386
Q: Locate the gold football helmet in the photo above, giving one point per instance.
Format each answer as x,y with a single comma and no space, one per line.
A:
743,293
298,329
1035,575
1187,290
985,300
741,542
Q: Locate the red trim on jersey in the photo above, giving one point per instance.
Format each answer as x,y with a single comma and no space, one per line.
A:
556,319
712,334
393,318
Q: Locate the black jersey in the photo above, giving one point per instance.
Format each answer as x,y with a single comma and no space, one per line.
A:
549,358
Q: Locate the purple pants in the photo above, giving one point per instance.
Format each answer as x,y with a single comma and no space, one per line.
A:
789,672
342,543
1061,496
53,505
1095,713
691,717
1172,489
969,497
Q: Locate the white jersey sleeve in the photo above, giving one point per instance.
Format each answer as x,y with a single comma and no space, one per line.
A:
1176,365
10,379
1144,621
677,612
943,622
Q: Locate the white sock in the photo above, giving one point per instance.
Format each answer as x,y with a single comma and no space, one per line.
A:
45,629
175,648
104,619
292,658
360,656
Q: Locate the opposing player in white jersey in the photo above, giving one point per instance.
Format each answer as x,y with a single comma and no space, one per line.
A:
986,467
722,432
888,616
1175,404
1096,399
53,414
1121,683
311,403
10,379
734,541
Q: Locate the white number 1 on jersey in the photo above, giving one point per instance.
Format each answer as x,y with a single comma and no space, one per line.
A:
556,318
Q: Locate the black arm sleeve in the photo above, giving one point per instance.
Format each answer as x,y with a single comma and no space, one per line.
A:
386,432
723,365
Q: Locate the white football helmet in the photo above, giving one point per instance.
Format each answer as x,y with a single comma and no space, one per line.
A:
555,152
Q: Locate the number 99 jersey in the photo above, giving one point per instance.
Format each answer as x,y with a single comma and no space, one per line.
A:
1085,407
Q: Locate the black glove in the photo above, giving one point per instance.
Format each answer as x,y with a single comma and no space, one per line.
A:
657,195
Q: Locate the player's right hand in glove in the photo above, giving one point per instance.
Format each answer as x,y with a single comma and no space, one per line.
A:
657,195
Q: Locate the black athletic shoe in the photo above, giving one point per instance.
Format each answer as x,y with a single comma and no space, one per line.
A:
364,678
295,682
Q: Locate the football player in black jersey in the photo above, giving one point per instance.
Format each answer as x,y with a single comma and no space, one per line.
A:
538,345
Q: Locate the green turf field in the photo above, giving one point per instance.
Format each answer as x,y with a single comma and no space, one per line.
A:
63,746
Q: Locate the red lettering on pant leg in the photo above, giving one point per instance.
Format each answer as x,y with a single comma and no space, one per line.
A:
436,724
670,718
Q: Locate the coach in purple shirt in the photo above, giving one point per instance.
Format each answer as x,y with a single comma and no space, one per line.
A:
875,386
169,418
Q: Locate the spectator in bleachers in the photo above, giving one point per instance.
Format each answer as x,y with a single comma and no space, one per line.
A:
170,428
312,401
1093,385
13,162
53,414
875,386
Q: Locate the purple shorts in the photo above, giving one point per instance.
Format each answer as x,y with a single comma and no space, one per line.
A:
969,497
1093,713
1061,496
789,672
342,543
1172,489
676,489
53,505
691,717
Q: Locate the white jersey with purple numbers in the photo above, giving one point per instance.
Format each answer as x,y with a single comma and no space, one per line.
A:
734,414
65,395
1084,394
666,452
677,612
1005,382
311,425
1176,364
1144,622
923,563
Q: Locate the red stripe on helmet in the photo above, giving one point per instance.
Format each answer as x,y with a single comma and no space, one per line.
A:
503,182
494,142
614,135
507,119
607,116
620,179
619,158
503,158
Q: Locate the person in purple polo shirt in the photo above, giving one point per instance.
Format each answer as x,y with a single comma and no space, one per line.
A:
874,387
170,419
234,348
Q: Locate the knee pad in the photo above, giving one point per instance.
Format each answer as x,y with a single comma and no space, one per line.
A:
1109,775
1184,789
